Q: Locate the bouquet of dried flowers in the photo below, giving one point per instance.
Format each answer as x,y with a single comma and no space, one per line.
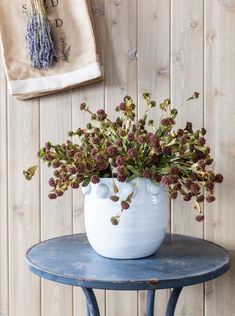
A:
126,148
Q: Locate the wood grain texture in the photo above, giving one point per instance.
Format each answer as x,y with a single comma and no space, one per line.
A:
3,197
220,123
94,97
120,80
24,212
153,76
56,215
165,47
187,77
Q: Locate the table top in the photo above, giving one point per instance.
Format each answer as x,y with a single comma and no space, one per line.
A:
180,261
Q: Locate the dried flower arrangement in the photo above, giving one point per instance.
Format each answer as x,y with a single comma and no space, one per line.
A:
127,148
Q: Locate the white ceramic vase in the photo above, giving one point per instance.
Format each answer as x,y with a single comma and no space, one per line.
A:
142,227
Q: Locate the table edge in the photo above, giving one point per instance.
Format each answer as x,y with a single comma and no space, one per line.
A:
129,285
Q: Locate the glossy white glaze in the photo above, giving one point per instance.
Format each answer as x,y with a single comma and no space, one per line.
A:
141,228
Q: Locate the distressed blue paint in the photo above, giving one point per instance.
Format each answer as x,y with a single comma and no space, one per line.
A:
170,310
180,261
150,303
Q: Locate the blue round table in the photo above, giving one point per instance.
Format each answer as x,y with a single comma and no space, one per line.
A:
179,262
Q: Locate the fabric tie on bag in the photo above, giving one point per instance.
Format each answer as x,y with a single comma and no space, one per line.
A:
77,61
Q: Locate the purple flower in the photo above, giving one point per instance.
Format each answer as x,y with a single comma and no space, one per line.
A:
130,137
52,196
132,152
174,170
75,185
219,178
101,114
112,150
201,163
166,180
122,106
120,161
147,173
174,195
200,218
125,205
52,182
95,179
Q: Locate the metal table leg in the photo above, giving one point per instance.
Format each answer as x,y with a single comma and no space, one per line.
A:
92,305
173,301
150,303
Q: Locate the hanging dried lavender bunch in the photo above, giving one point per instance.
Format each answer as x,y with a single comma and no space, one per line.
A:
39,36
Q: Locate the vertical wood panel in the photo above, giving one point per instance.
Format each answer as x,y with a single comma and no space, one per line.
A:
94,96
24,213
3,197
137,37
56,215
220,123
120,79
153,76
187,77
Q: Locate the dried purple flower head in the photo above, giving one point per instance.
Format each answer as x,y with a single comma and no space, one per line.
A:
100,158
210,185
195,188
55,164
52,182
200,218
52,196
114,198
174,179
75,185
200,198
121,171
167,121
202,141
95,140
122,106
174,195
102,166
219,178
101,114
95,179
130,137
174,170
120,161
166,150
125,205
177,186
81,168
189,127
166,180
201,164
121,178
70,153
83,106
157,177
147,173
210,198
115,220
118,142
132,153
93,152
180,132
112,150
194,176
187,197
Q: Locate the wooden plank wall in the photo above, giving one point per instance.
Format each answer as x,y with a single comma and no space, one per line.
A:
170,48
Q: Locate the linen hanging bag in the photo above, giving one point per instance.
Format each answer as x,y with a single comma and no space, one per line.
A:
77,61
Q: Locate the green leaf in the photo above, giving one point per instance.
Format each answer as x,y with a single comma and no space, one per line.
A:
86,182
132,169
131,178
